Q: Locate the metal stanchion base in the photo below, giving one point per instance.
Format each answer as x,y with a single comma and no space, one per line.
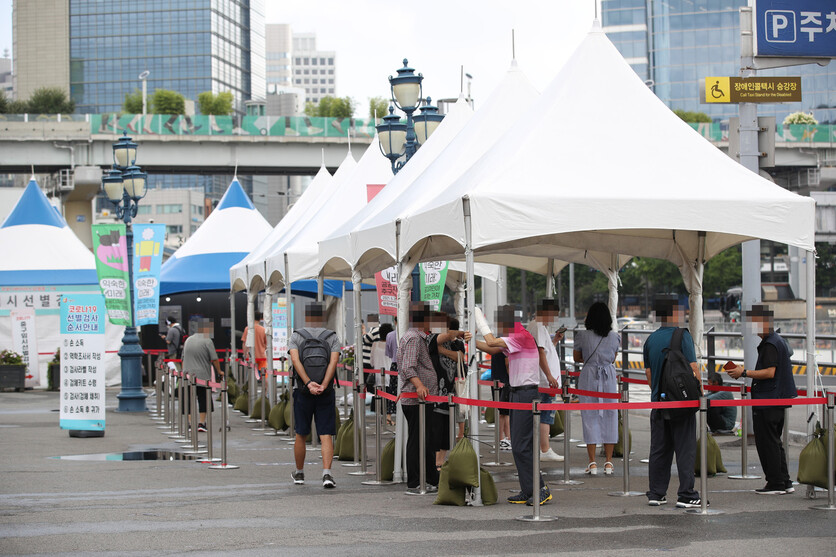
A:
532,518
197,452
260,429
744,477
626,493
361,473
350,464
378,482
252,421
275,434
705,512
177,438
208,461
567,482
418,492
496,464
581,445
222,467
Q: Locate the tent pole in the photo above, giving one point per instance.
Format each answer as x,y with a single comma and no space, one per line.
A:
251,349
404,293
320,288
289,308
812,368
612,288
233,355
572,291
696,297
473,373
550,279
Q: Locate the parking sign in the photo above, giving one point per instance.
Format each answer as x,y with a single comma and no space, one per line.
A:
795,28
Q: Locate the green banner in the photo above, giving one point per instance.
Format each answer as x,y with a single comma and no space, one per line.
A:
111,250
433,277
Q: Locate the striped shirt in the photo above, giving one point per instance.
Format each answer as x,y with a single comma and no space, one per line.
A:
371,336
414,361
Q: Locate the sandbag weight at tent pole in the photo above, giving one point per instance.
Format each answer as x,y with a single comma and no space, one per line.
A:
812,368
224,419
535,483
473,372
567,439
625,443
828,425
703,456
744,452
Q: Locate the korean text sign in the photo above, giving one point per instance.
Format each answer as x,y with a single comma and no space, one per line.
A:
148,259
111,250
798,28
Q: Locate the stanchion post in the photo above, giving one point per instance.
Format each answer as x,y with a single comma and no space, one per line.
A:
625,444
703,510
193,414
158,391
452,418
378,429
535,477
361,436
209,441
567,435
829,414
224,417
744,441
422,450
357,404
179,416
497,433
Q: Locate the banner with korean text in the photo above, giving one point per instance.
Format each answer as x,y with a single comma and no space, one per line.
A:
148,260
280,326
111,250
387,291
433,277
82,331
25,343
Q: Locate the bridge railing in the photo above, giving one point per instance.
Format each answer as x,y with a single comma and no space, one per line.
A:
795,133
202,125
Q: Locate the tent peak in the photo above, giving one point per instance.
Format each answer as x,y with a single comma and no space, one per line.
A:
235,197
596,26
34,208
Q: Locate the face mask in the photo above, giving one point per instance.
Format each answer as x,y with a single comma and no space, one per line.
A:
437,330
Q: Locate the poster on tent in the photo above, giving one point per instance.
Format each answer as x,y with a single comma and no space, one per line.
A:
24,342
280,326
148,260
433,277
111,249
387,291
82,330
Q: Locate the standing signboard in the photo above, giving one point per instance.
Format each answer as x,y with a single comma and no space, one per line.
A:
111,249
148,260
82,362
280,327
795,28
24,340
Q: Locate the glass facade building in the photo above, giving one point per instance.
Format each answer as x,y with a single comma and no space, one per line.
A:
188,46
675,44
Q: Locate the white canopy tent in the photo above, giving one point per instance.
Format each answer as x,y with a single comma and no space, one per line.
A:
650,186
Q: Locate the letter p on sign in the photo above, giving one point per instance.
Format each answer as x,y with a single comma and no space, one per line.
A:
780,26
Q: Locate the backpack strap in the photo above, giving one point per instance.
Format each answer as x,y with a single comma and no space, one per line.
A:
676,339
325,335
305,334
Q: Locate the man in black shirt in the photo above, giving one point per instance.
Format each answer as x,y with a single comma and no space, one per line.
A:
771,378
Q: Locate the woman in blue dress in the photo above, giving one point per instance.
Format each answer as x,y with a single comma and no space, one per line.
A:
597,348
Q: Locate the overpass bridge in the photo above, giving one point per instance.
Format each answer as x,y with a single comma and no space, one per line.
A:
258,145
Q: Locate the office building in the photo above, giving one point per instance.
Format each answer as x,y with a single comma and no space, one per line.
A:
675,44
313,70
6,80
96,50
278,54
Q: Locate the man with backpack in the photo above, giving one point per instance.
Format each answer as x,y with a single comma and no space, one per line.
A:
173,338
314,353
671,431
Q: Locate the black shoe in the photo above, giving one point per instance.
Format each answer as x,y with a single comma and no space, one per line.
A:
545,497
518,499
687,503
654,501
201,428
328,481
298,478
767,490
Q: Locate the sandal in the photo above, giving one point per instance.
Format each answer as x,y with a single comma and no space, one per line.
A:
608,468
591,469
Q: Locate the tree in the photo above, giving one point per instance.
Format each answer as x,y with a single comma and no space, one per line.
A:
722,272
331,107
693,117
50,100
168,102
219,105
4,103
133,102
800,118
17,107
378,107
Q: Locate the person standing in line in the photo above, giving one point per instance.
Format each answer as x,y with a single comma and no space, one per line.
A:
667,435
545,317
417,375
392,384
370,336
260,343
173,340
596,348
524,377
314,352
771,378
199,357
444,357
499,372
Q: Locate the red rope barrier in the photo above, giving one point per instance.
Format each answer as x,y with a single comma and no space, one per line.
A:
594,394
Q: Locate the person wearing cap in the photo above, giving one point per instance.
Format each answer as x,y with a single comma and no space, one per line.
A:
772,378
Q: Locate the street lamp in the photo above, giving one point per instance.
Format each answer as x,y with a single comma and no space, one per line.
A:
398,140
143,77
124,186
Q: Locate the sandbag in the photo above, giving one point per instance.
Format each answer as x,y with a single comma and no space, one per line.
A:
489,415
618,450
347,440
490,495
232,390
557,427
276,417
812,462
387,462
288,411
448,495
256,415
464,468
337,437
713,460
242,403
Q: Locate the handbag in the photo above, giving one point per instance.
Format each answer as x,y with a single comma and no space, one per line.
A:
460,385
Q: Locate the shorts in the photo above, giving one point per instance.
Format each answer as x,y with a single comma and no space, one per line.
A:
308,407
200,393
504,396
440,427
546,416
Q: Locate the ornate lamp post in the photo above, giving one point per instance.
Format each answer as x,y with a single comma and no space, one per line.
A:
124,186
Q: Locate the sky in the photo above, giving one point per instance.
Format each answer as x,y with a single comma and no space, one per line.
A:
372,37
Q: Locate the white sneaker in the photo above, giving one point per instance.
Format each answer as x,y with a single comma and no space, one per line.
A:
550,455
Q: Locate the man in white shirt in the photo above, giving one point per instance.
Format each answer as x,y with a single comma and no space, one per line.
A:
545,318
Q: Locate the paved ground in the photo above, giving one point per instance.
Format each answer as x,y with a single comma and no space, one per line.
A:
52,506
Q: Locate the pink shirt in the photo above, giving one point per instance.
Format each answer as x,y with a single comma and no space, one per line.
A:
523,358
